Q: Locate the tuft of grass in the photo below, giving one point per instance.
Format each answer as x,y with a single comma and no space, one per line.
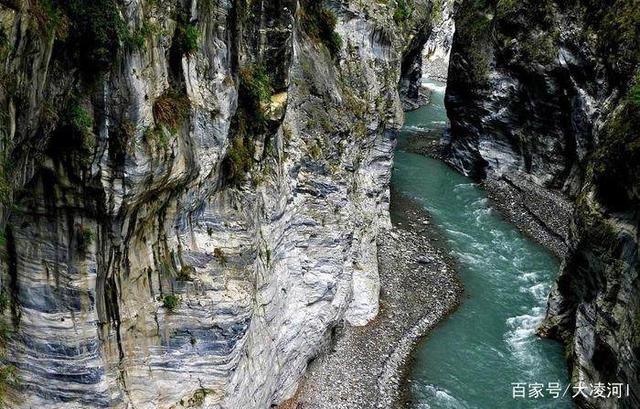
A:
186,273
4,301
240,159
171,109
619,28
156,137
8,373
137,39
8,380
170,302
219,254
505,7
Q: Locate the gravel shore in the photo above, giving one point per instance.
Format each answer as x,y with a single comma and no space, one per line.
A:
541,214
364,366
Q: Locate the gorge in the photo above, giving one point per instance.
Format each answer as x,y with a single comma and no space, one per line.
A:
196,201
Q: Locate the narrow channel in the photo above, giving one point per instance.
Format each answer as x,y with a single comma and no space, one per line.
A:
472,359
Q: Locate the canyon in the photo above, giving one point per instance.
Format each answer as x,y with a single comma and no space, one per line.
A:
193,191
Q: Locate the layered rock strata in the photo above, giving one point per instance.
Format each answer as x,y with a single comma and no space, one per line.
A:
192,192
549,93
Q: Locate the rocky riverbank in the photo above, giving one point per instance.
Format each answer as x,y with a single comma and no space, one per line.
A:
363,367
542,214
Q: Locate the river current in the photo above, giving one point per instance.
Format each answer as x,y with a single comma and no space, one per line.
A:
487,351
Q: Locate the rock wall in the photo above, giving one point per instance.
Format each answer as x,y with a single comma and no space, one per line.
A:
192,191
427,56
550,92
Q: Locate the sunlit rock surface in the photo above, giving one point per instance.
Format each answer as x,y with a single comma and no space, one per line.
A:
172,241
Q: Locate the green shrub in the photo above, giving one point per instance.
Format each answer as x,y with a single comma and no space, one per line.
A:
8,374
256,84
186,38
81,120
505,7
239,159
95,32
49,17
137,38
5,185
4,301
475,30
254,92
198,397
156,137
81,123
319,23
402,11
170,302
619,28
85,239
8,380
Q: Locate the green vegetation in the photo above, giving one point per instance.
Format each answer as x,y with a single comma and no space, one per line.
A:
254,93
198,397
137,38
4,301
618,26
170,302
634,91
475,36
436,11
80,121
319,23
156,137
506,7
616,161
48,17
171,109
186,38
5,183
402,11
8,380
8,374
255,84
240,159
85,239
94,31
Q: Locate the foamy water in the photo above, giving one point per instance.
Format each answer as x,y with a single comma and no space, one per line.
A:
472,359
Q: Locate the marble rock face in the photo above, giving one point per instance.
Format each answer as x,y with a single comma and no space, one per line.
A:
174,236
538,92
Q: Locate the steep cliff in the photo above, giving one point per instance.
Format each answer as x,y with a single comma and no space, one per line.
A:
549,92
191,192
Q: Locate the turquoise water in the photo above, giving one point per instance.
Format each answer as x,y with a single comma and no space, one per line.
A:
472,359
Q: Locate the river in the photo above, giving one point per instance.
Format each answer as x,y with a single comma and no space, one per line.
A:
474,357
